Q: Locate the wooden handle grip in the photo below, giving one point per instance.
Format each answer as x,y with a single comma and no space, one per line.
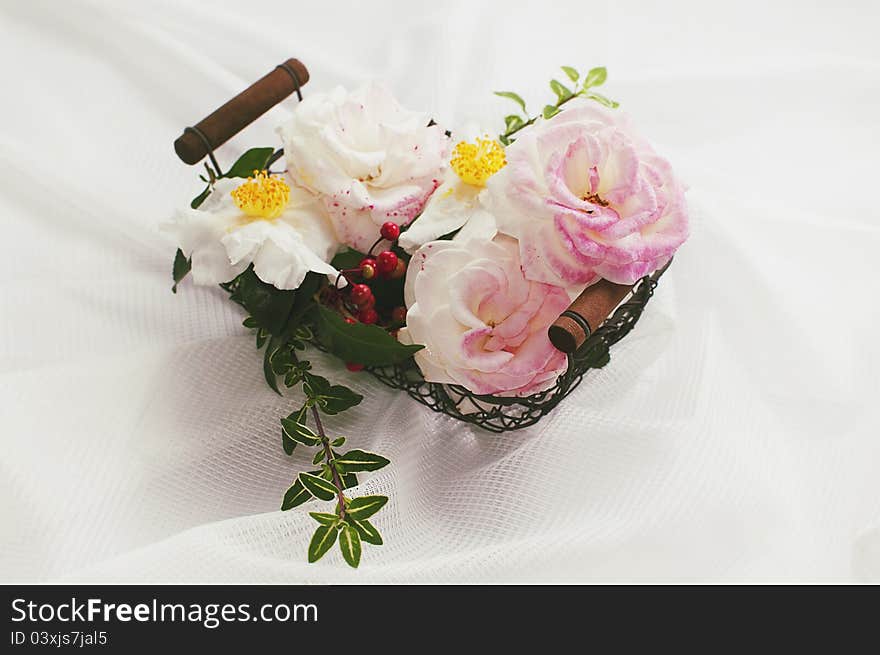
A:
241,111
585,314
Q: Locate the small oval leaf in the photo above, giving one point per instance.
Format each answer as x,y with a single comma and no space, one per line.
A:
323,518
572,73
297,494
322,541
359,460
299,432
318,487
350,545
367,531
596,77
512,96
365,506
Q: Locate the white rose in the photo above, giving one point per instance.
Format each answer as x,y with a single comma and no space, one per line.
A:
483,324
281,229
369,159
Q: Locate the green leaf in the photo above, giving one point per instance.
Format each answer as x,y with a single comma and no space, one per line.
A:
299,433
292,377
572,73
338,399
319,456
295,495
255,159
322,541
367,531
298,417
513,122
367,344
315,385
348,258
199,199
349,480
550,111
562,92
358,460
282,359
318,487
338,441
613,104
596,77
365,506
262,335
268,372
324,518
271,308
330,399
181,268
350,545
513,96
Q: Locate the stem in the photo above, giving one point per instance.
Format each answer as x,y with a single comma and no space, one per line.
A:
337,482
558,104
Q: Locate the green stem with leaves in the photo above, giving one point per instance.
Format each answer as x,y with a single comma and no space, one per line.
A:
582,89
329,455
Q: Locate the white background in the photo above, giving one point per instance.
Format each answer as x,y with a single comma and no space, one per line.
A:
733,437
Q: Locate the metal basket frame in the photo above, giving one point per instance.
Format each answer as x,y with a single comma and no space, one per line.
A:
504,413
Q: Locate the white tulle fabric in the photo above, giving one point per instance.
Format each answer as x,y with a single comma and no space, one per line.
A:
733,437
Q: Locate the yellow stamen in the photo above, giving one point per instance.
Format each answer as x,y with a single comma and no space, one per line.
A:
262,196
477,162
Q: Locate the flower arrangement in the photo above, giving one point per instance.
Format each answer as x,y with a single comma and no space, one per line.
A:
441,262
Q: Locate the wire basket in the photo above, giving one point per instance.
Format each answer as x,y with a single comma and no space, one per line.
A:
492,413
503,413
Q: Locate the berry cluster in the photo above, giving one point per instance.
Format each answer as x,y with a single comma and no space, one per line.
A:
358,300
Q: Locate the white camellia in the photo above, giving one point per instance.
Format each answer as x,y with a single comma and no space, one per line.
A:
472,162
280,228
370,160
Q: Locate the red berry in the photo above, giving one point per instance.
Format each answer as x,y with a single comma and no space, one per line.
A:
368,316
360,294
350,320
365,262
354,367
390,231
386,262
398,314
399,270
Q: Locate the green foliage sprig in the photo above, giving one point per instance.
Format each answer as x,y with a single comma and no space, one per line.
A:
582,88
284,323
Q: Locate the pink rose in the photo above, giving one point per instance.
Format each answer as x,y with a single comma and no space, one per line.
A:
588,198
369,159
483,324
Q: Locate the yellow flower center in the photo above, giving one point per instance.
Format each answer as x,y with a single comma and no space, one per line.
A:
262,196
477,162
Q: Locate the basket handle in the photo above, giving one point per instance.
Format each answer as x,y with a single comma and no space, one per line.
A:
585,314
224,123
590,309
